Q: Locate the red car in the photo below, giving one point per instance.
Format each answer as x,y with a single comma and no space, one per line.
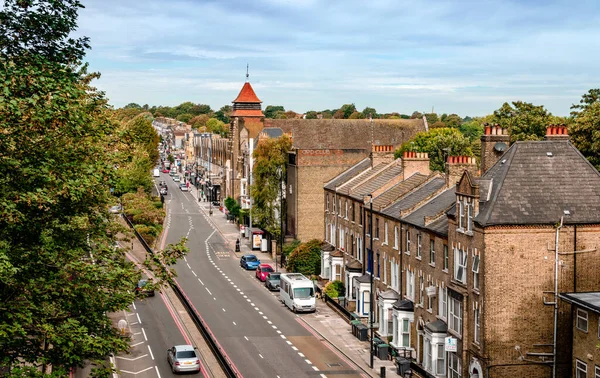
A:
165,170
263,271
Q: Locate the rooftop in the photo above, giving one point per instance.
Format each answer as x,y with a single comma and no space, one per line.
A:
590,300
247,94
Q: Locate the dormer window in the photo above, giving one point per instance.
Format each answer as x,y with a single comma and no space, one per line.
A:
465,214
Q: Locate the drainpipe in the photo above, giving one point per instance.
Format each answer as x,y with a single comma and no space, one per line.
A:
372,294
554,359
574,259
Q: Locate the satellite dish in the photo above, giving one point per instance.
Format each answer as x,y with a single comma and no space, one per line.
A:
500,147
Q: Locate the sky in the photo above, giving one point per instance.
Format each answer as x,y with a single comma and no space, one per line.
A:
464,56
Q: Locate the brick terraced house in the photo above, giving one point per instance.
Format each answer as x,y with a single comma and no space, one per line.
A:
470,257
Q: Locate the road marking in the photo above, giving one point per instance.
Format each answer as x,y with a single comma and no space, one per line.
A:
215,298
282,336
315,368
301,355
308,362
288,342
157,373
246,338
223,310
133,323
274,327
136,372
184,259
201,281
150,350
188,265
133,304
323,376
144,332
260,355
270,322
138,316
260,312
294,348
132,359
234,324
136,344
264,317
279,332
208,291
194,273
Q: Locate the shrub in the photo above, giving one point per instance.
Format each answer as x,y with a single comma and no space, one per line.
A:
288,248
306,258
335,289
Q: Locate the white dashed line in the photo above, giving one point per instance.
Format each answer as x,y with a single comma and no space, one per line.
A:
308,362
260,355
150,350
294,348
208,291
138,316
234,324
188,265
245,337
288,342
194,273
315,368
144,332
223,310
283,336
201,281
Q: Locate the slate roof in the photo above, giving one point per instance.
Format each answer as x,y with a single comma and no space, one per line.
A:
369,172
389,294
348,174
247,95
414,197
364,278
376,181
273,132
589,300
354,265
404,305
437,205
437,327
535,181
399,190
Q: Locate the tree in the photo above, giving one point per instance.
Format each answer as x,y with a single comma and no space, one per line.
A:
132,105
348,109
57,163
356,115
438,143
306,258
199,121
185,117
224,114
270,110
290,114
431,118
585,130
523,120
269,171
339,114
416,114
453,120
215,126
590,98
311,114
198,109
369,112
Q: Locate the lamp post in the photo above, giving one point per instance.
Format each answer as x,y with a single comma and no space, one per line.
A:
372,263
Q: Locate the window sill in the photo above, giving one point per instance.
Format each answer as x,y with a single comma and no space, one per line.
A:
432,265
445,271
454,333
418,258
476,291
407,253
442,318
395,248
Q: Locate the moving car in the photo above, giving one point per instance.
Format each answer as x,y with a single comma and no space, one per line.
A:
249,262
272,281
162,183
297,292
145,288
166,170
164,191
263,270
156,172
183,358
183,187
176,178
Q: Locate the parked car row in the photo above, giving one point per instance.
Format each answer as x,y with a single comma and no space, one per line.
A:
264,272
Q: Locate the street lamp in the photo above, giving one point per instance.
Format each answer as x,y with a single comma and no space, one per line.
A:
372,263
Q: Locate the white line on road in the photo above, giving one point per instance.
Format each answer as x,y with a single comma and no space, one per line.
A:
200,281
184,259
234,323
260,355
294,348
323,376
260,313
208,291
282,336
288,342
150,350
194,273
246,337
189,266
144,332
308,362
315,368
274,327
136,372
131,359
133,304
223,310
157,373
301,355
138,316
136,344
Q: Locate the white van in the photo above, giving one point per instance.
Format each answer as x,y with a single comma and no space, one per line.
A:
297,292
156,172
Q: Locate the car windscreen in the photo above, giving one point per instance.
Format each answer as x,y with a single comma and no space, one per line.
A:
251,259
274,277
268,269
304,292
186,354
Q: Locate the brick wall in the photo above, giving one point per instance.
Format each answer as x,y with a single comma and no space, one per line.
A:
584,343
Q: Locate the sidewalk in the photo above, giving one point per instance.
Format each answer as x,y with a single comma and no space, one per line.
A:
325,322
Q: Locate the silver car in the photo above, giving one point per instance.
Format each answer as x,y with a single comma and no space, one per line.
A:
183,358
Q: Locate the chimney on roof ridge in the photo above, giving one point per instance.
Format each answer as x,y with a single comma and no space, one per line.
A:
494,141
456,165
414,162
381,154
557,132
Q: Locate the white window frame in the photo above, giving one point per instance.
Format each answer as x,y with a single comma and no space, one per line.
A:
346,202
440,362
477,325
597,372
429,299
396,237
460,265
443,303
454,366
455,319
580,369
404,331
327,199
475,269
385,232
582,316
432,252
421,290
341,246
461,215
385,281
410,285
469,205
359,249
446,262
419,240
407,242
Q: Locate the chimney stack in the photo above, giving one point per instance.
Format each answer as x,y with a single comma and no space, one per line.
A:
381,154
494,141
456,165
557,132
415,162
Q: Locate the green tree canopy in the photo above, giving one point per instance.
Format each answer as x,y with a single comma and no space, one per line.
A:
311,114
524,120
270,110
185,117
224,114
132,105
590,98
438,143
269,167
369,112
215,126
585,130
453,120
306,258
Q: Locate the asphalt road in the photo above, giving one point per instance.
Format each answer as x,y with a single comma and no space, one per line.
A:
260,335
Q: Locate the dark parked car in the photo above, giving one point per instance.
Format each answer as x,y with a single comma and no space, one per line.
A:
249,262
272,281
144,288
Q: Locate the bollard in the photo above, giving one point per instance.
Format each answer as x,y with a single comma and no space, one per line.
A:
382,371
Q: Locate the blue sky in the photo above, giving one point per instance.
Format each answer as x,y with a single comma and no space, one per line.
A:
465,57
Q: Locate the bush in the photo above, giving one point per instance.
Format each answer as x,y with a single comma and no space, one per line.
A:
288,248
306,258
335,289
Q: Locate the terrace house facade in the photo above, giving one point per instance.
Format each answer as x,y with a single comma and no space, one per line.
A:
468,257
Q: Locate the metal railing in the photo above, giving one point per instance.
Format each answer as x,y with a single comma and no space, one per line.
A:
338,307
227,365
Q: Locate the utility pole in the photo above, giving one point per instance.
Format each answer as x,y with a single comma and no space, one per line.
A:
251,159
372,263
